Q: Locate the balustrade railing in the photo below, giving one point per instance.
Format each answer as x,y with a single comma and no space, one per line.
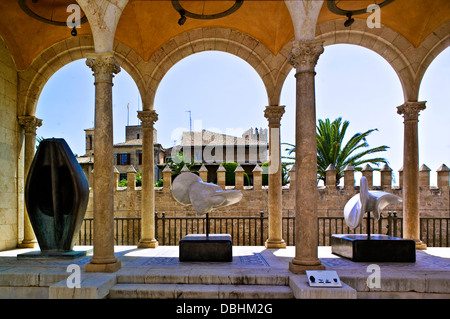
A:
253,230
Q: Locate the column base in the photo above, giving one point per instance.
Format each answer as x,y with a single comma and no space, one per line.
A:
297,267
109,267
27,244
147,243
420,245
273,243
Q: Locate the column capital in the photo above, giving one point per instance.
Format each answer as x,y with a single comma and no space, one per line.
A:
410,110
305,54
30,123
273,114
103,65
148,118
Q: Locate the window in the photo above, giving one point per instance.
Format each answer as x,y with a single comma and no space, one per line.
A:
123,159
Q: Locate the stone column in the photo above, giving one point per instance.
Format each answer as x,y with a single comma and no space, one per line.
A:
303,57
273,113
148,239
30,124
104,67
411,219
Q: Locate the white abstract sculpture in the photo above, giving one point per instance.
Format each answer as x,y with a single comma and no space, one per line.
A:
367,201
189,189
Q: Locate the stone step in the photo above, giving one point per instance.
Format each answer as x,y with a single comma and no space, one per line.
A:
197,291
204,276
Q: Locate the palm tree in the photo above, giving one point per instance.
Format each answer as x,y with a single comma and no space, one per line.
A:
331,150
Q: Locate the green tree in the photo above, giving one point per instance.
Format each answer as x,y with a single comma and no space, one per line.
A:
177,163
332,150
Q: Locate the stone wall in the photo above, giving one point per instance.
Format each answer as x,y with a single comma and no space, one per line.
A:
10,173
434,201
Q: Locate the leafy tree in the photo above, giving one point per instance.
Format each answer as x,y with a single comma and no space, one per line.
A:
332,150
177,163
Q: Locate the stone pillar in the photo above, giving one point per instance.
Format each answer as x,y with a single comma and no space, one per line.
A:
303,57
273,113
148,239
104,67
411,221
30,124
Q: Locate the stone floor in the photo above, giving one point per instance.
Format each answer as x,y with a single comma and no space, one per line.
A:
255,272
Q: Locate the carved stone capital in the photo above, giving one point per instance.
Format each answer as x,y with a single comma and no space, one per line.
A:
148,118
104,66
304,55
273,114
410,110
30,123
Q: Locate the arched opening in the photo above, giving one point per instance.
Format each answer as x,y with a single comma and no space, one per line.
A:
360,86
434,145
67,101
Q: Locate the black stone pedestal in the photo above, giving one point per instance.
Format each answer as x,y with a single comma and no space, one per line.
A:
376,248
72,254
199,247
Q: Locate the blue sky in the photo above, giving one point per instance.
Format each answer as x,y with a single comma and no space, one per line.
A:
224,94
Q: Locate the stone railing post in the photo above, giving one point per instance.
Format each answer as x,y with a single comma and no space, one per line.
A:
203,173
221,176
257,177
116,178
330,177
131,179
424,176
367,172
443,176
386,177
349,177
239,177
167,178
30,124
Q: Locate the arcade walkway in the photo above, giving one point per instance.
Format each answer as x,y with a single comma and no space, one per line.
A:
255,272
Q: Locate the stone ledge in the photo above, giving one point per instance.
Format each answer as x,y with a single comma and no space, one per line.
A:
92,287
302,290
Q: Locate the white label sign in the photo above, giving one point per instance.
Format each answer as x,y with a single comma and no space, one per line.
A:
323,278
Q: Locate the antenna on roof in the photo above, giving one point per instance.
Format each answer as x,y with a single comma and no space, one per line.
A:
190,121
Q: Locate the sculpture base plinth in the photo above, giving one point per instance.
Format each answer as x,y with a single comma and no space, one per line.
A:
376,248
199,247
71,254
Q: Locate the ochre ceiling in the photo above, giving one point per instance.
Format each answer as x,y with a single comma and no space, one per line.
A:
147,24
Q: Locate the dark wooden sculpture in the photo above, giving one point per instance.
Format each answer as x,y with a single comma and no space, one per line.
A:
56,196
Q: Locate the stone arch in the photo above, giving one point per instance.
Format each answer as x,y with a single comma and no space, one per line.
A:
408,61
265,63
33,80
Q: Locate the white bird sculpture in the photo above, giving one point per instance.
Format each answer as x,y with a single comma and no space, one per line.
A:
367,201
189,189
